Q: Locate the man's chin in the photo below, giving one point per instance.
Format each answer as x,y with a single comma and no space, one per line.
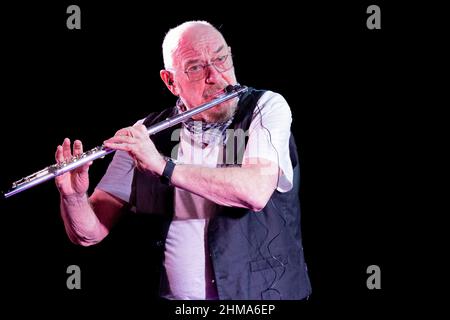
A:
221,112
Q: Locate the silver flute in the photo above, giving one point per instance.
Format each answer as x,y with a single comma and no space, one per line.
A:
101,151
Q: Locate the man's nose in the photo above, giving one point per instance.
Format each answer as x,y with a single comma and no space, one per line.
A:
212,74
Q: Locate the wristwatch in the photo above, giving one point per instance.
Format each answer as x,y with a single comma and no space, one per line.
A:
167,172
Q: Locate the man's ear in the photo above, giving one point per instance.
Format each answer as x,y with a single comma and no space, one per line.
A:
166,77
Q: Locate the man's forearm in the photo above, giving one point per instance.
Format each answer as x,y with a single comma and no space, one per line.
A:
248,187
80,221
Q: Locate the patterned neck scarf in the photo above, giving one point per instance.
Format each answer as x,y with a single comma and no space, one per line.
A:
203,132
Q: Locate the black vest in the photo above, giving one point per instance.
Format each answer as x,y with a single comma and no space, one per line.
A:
255,255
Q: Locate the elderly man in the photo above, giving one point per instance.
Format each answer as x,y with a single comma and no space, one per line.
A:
227,229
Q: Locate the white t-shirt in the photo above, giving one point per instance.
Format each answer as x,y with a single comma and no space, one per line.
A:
188,267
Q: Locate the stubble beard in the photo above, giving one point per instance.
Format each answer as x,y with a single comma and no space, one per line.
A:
220,113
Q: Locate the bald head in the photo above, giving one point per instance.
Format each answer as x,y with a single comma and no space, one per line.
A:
187,36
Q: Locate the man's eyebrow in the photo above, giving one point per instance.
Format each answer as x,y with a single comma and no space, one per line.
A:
220,49
191,61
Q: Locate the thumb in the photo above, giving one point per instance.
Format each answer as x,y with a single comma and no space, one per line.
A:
85,168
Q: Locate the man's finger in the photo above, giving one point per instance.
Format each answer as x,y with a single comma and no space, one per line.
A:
85,167
59,157
66,149
120,139
77,148
141,128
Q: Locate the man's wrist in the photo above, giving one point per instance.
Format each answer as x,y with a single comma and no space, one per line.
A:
73,200
166,175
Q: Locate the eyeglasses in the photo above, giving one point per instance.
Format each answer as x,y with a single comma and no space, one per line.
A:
198,71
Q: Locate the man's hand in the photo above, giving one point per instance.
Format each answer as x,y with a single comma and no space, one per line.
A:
75,182
136,141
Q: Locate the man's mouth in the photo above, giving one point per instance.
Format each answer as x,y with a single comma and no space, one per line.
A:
215,95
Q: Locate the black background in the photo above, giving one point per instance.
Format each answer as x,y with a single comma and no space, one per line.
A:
344,84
